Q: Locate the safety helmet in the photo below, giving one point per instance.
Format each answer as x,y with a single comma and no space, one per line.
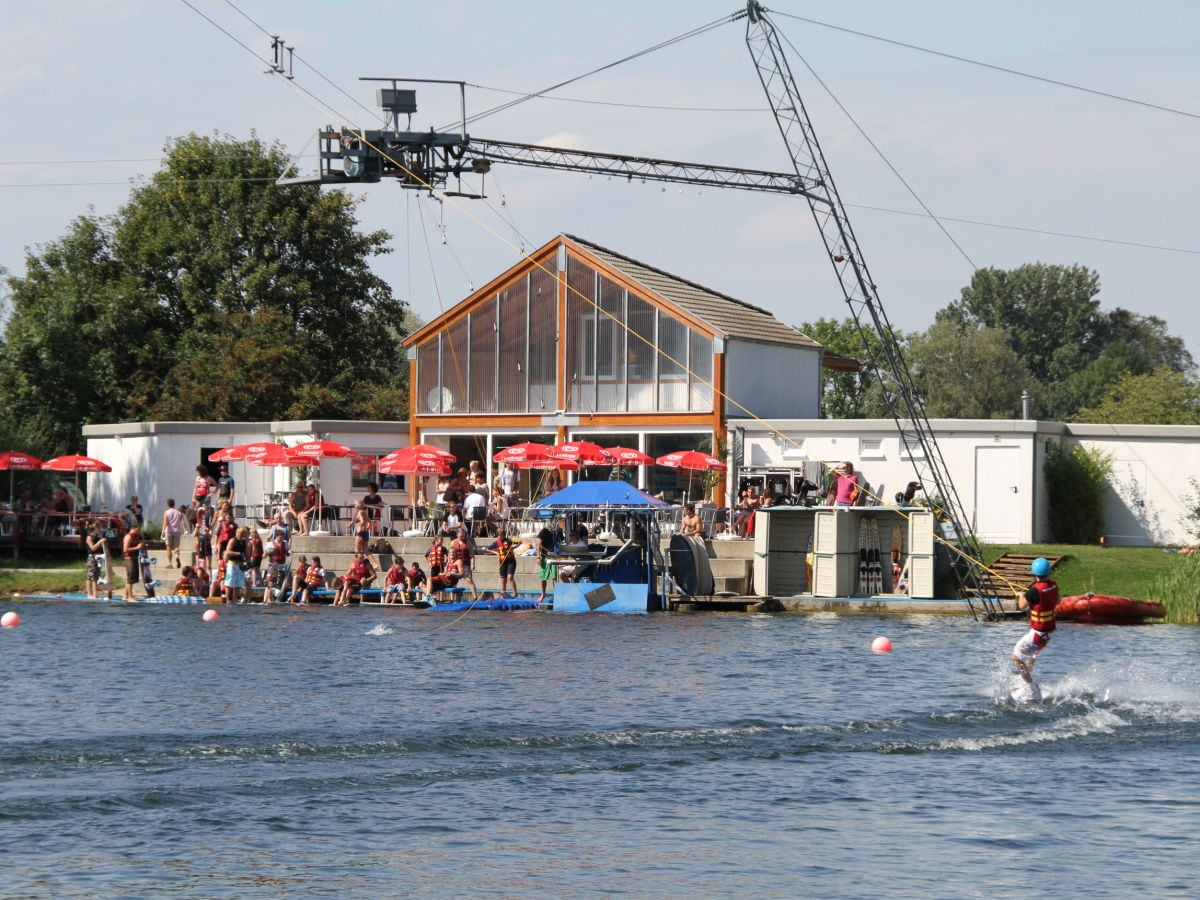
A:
1040,567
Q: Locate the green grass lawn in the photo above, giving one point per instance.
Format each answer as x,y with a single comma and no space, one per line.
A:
1143,573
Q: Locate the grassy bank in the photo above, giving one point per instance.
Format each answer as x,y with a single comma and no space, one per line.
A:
1144,573
52,573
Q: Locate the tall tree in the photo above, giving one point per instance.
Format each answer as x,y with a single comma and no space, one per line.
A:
848,395
1054,324
967,372
212,294
1050,314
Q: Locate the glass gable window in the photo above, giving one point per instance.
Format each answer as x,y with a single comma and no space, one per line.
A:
621,353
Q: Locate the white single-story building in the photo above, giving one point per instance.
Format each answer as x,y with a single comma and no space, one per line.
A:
997,469
157,460
996,465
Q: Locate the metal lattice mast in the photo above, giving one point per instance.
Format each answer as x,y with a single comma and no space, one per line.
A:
887,363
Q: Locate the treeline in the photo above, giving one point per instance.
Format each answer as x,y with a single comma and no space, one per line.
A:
1036,329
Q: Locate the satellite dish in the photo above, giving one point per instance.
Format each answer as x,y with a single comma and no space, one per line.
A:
440,400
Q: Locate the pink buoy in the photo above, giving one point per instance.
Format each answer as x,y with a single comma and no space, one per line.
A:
210,615
881,645
10,620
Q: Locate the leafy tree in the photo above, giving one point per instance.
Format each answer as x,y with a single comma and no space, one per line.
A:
212,294
1076,484
1162,397
967,372
1049,313
1054,323
848,395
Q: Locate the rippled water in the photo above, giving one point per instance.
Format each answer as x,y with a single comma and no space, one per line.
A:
365,753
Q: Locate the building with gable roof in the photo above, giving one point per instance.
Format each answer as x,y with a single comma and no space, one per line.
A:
578,342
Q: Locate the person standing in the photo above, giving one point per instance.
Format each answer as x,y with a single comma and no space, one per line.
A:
95,559
847,487
462,559
173,525
545,546
226,486
134,511
1040,600
205,486
131,548
507,557
236,555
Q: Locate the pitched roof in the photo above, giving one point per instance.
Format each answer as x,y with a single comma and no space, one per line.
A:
731,317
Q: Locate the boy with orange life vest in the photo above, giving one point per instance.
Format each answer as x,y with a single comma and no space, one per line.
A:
314,579
436,556
1040,600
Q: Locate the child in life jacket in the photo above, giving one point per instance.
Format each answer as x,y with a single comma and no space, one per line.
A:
314,580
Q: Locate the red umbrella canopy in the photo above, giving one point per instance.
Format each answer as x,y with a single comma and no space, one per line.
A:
549,462
284,456
427,448
414,464
583,452
522,453
692,460
12,459
323,449
237,452
76,463
627,456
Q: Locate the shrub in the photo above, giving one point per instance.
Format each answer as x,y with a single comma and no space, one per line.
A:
1076,483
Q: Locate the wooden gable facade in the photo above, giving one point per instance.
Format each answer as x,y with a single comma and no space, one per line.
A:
577,339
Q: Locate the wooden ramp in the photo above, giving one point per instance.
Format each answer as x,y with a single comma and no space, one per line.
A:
1007,576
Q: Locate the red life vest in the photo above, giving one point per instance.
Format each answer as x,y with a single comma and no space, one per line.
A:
1041,609
314,577
437,555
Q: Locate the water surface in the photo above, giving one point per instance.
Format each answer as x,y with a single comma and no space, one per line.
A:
365,753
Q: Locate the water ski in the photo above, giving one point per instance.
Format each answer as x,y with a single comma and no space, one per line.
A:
1025,694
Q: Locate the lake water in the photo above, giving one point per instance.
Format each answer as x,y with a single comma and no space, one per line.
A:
368,753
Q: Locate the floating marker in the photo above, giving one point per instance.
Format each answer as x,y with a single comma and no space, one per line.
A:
210,615
10,620
881,645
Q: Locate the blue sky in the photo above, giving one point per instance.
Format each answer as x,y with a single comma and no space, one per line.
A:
1020,170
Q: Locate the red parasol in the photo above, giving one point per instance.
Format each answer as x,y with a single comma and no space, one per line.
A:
562,465
284,456
583,452
414,464
426,448
627,456
76,463
323,449
691,461
13,461
518,454
237,452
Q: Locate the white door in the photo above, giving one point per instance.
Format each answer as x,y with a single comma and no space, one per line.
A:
999,494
